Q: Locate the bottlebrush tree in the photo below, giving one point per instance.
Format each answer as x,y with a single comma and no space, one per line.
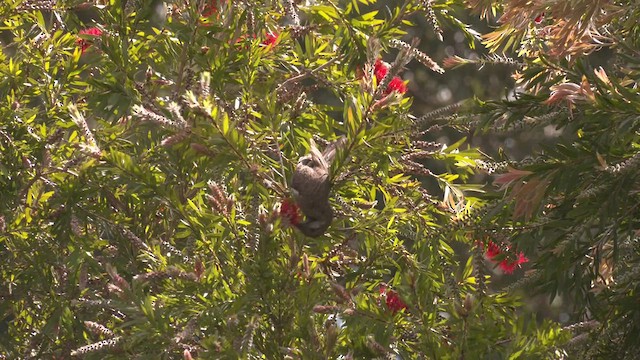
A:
571,204
145,212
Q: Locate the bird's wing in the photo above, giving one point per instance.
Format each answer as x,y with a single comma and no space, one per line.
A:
317,156
331,150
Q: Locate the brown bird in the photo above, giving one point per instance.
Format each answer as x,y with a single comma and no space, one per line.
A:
311,183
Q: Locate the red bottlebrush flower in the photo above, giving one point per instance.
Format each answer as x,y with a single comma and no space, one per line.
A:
85,43
270,39
392,299
289,211
394,303
94,31
493,250
508,265
383,289
396,85
210,8
380,70
539,18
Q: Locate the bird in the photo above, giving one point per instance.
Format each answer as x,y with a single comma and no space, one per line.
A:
311,184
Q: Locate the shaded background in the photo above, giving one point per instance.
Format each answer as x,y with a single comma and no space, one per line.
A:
431,91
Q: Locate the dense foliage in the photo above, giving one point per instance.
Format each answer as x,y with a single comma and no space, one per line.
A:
147,155
571,204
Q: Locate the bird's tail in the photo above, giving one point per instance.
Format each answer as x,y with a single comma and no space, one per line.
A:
331,150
